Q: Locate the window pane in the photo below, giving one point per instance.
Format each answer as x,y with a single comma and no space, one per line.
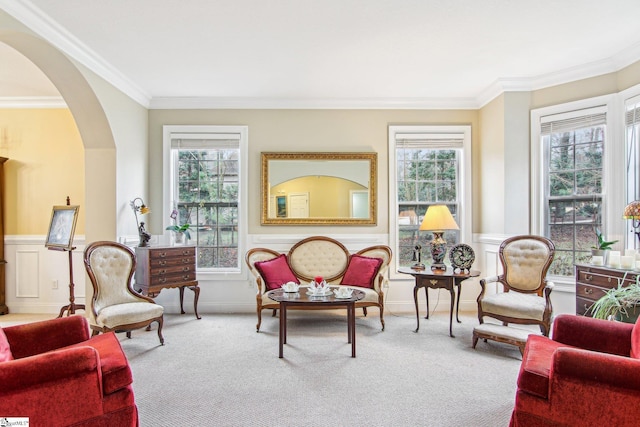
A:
574,182
207,198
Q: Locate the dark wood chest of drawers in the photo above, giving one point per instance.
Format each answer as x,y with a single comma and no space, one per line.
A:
161,267
593,281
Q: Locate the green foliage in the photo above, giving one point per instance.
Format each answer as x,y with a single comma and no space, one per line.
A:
601,243
617,303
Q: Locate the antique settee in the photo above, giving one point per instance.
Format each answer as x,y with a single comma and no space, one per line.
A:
586,374
54,374
325,257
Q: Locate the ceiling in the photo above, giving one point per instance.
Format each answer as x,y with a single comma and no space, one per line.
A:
326,53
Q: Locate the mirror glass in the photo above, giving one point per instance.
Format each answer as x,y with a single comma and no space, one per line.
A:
319,188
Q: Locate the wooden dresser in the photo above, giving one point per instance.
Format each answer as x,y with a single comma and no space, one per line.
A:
593,281
161,267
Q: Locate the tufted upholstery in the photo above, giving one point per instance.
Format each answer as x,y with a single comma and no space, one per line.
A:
321,256
526,298
115,306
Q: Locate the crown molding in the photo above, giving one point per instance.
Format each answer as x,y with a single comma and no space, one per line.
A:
32,102
166,103
50,31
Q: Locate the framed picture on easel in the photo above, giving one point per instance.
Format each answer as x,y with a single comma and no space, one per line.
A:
62,227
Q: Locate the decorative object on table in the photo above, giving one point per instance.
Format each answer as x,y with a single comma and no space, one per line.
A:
621,303
319,286
462,257
438,219
417,258
60,238
632,212
290,287
180,231
600,249
139,207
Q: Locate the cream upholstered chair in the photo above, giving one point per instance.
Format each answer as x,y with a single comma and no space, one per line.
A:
526,298
115,306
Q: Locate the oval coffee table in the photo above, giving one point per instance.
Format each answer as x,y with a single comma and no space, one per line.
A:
301,299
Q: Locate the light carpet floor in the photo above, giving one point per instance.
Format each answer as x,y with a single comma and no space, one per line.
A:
218,371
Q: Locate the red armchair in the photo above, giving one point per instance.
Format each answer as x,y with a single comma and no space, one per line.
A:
54,374
588,374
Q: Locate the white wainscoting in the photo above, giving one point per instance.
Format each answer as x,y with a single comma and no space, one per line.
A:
37,279
32,269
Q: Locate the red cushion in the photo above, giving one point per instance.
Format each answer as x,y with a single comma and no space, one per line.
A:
5,350
276,272
361,271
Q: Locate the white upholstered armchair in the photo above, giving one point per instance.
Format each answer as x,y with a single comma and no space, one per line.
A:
526,298
115,306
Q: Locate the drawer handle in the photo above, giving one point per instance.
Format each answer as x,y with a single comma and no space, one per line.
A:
162,254
588,277
433,282
185,277
163,263
162,279
185,261
162,271
185,253
186,268
586,308
588,291
609,279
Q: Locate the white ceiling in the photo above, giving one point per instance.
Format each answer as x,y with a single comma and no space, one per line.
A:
331,53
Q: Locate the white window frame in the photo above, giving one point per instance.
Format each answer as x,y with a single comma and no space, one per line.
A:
168,179
613,184
465,213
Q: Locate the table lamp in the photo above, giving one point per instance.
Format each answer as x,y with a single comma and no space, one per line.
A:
438,219
138,206
632,212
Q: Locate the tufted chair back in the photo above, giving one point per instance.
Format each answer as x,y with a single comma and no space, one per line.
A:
319,256
113,268
525,260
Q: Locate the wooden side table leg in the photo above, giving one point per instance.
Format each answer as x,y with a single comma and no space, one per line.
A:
452,292
196,295
281,339
181,299
415,301
458,301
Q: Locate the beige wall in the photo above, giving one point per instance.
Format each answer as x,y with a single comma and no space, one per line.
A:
46,164
302,130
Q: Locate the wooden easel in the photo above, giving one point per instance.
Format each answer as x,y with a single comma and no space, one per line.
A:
72,306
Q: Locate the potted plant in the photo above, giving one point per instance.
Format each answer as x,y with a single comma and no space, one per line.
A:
180,231
602,246
621,303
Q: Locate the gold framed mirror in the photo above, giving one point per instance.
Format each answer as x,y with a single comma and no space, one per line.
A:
319,188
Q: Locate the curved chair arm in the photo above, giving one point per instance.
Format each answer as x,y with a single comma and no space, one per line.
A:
486,281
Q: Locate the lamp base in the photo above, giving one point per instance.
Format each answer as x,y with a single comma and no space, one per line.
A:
418,266
438,251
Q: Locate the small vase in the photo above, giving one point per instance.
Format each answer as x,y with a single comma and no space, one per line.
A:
178,239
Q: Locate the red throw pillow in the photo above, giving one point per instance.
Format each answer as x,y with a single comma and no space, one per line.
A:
275,272
361,271
5,351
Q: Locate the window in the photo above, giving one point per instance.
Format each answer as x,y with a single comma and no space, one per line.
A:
577,179
428,165
206,188
573,159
